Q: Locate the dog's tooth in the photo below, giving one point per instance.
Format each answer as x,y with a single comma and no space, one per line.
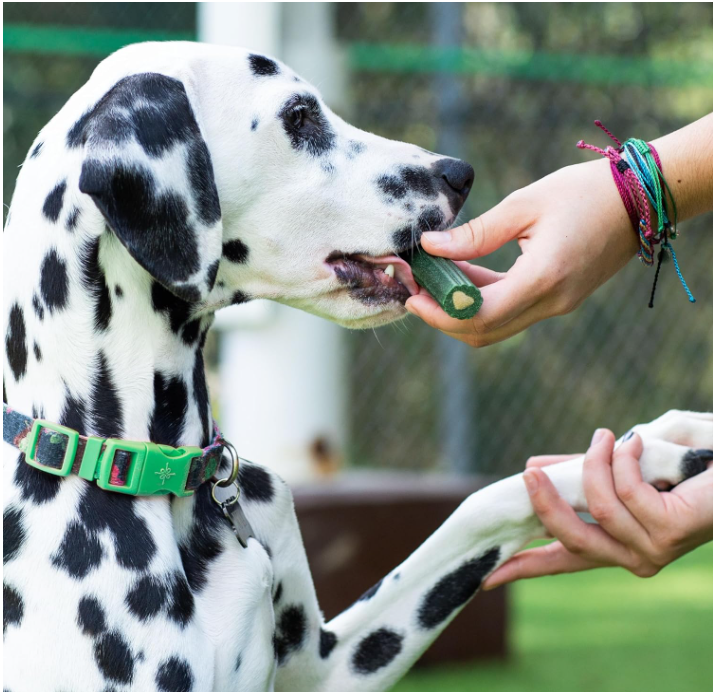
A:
389,271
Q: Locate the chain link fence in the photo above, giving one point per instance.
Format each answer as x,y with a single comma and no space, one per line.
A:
534,89
521,85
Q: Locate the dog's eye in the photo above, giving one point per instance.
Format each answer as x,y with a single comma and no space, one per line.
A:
298,117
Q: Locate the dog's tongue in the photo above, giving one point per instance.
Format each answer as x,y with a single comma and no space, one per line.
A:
402,271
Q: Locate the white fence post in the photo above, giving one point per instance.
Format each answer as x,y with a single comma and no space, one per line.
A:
282,377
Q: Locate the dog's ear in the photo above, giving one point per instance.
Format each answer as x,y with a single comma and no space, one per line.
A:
148,170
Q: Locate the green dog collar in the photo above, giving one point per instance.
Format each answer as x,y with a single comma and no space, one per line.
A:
122,466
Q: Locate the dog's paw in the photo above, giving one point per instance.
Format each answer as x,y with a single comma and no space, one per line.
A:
666,464
696,461
685,428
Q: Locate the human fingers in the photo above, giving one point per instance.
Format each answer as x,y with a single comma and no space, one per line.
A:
603,502
552,558
548,459
641,499
480,276
562,522
482,235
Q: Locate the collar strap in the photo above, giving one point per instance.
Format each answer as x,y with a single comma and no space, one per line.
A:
122,466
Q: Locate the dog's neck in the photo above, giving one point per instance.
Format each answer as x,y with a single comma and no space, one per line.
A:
99,346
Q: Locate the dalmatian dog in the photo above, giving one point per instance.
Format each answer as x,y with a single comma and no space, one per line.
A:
180,179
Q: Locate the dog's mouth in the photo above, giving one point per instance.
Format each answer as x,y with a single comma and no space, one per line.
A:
374,280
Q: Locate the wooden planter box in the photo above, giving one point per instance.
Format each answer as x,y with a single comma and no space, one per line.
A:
358,527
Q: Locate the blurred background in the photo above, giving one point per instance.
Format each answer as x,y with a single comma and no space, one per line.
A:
510,88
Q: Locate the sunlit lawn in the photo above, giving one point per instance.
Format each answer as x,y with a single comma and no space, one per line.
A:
601,631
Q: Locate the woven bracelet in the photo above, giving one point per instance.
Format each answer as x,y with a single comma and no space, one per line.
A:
638,176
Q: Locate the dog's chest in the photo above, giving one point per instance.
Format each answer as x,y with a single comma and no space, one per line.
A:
148,592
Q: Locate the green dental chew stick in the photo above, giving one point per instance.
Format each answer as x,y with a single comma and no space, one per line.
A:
450,287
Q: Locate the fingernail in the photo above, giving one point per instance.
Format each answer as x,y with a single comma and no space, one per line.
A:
409,308
438,237
597,437
531,481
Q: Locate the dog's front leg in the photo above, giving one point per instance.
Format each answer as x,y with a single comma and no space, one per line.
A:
374,642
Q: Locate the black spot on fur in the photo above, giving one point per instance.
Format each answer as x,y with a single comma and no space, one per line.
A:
91,617
94,281
13,607
253,125
174,675
73,219
238,661
100,510
455,589
305,125
79,552
239,298
177,309
369,593
170,408
430,219
262,66
405,239
212,273
236,251
182,603
392,186
255,483
54,284
147,597
52,207
278,594
200,397
203,544
16,342
419,180
696,461
354,148
114,658
38,307
74,414
152,225
107,411
376,650
200,174
13,532
118,291
36,151
38,353
291,632
191,331
327,642
35,485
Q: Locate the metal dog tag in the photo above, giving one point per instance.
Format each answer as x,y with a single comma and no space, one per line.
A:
238,521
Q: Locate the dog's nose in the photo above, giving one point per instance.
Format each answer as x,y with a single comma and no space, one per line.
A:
458,175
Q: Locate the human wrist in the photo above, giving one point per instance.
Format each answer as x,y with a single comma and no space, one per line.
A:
687,163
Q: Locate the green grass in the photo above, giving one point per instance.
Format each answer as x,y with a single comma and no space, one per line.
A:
600,631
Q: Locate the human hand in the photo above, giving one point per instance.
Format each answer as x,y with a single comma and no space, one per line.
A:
574,234
640,528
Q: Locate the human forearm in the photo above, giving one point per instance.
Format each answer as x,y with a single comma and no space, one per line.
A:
687,160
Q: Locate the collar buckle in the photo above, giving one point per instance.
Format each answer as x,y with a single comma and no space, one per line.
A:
145,468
